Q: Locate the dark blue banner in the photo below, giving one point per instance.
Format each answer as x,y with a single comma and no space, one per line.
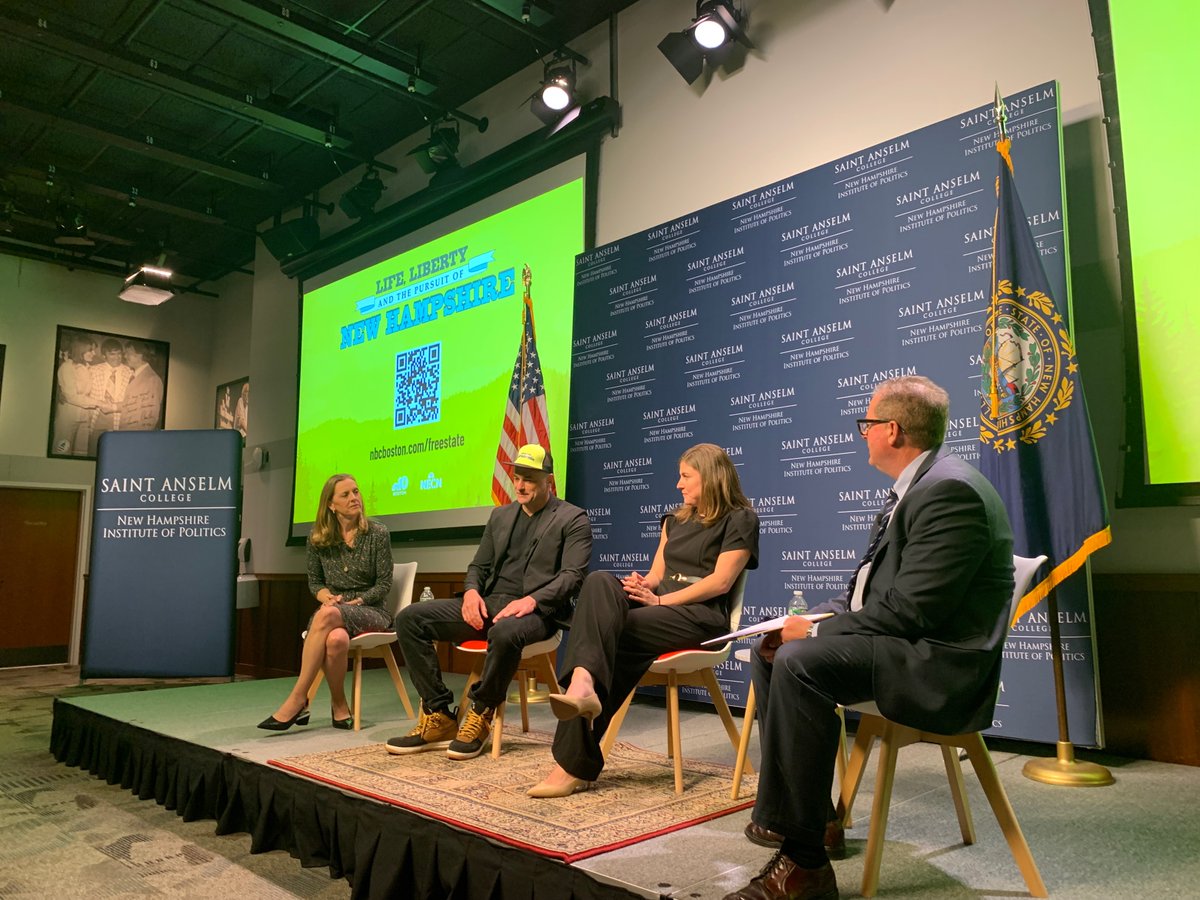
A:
764,323
163,555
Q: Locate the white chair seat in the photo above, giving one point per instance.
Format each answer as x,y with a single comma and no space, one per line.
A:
537,654
894,735
695,668
374,645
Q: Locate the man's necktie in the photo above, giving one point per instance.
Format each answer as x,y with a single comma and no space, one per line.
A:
877,532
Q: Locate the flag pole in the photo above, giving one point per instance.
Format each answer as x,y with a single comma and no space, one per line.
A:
1064,770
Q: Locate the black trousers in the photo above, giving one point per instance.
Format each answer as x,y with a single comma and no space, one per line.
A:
420,624
798,697
616,640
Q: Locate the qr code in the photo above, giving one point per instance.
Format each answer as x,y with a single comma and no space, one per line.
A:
419,386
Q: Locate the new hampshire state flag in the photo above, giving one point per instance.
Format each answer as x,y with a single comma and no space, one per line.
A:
1035,436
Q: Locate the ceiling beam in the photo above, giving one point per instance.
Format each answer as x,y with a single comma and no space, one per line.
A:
113,191
155,72
361,56
530,30
145,144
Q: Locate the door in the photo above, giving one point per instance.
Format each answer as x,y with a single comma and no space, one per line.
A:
39,551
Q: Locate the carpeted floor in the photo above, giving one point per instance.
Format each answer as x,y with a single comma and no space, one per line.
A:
634,801
67,834
64,833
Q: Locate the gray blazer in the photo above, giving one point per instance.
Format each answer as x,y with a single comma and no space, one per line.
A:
937,601
556,561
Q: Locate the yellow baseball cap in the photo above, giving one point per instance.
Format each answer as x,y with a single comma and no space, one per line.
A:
534,456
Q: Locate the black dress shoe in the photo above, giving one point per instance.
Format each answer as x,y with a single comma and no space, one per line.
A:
835,838
782,879
345,724
270,723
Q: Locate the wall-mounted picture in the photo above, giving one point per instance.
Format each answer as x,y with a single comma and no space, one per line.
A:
2,348
104,382
233,405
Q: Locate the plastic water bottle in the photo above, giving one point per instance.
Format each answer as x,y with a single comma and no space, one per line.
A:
797,606
426,594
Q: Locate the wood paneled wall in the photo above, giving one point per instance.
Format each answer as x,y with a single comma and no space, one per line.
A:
1148,642
268,638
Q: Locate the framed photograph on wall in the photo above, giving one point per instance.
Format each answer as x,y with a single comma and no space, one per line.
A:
104,382
233,405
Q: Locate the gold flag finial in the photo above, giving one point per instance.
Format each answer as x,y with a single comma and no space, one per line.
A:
1001,114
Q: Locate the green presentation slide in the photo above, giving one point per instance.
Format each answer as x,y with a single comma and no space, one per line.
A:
406,365
1158,71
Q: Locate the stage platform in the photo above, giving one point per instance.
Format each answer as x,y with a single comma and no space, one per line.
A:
195,750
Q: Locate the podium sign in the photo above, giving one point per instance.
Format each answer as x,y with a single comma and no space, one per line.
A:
164,555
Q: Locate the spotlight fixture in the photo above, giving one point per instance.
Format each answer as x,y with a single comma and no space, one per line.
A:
718,26
440,151
360,200
149,285
71,225
556,97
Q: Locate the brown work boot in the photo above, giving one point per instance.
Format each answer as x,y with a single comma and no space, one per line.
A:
474,731
435,730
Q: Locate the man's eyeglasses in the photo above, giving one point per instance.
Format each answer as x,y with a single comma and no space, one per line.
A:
864,425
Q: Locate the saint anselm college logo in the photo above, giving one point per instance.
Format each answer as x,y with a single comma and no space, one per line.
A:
1028,368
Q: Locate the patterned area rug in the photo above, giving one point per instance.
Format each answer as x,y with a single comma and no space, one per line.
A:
634,800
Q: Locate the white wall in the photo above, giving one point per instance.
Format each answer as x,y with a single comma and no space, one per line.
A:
829,77
206,336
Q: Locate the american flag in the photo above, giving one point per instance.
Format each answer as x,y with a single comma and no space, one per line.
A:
525,418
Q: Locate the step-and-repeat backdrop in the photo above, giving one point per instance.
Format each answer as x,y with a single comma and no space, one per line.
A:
763,324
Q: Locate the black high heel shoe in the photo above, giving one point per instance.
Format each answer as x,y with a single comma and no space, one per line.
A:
345,724
270,723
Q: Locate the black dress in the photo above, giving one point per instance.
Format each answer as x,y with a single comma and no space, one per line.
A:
364,570
617,640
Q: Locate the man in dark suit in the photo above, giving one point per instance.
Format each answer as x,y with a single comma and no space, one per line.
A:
920,631
528,567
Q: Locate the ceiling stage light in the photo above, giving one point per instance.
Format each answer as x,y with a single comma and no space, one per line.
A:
360,200
710,38
556,97
441,150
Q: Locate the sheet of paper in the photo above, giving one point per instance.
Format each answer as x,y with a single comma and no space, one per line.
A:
761,628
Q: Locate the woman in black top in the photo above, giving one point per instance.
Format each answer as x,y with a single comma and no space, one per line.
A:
622,625
350,574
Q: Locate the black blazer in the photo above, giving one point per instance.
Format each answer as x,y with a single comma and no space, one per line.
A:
937,601
555,563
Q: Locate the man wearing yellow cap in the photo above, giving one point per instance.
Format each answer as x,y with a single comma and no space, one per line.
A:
529,565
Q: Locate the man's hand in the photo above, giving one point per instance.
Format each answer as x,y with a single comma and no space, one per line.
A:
518,608
474,610
768,645
796,627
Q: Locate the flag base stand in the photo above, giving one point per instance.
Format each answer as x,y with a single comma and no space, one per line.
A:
1066,771
532,693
